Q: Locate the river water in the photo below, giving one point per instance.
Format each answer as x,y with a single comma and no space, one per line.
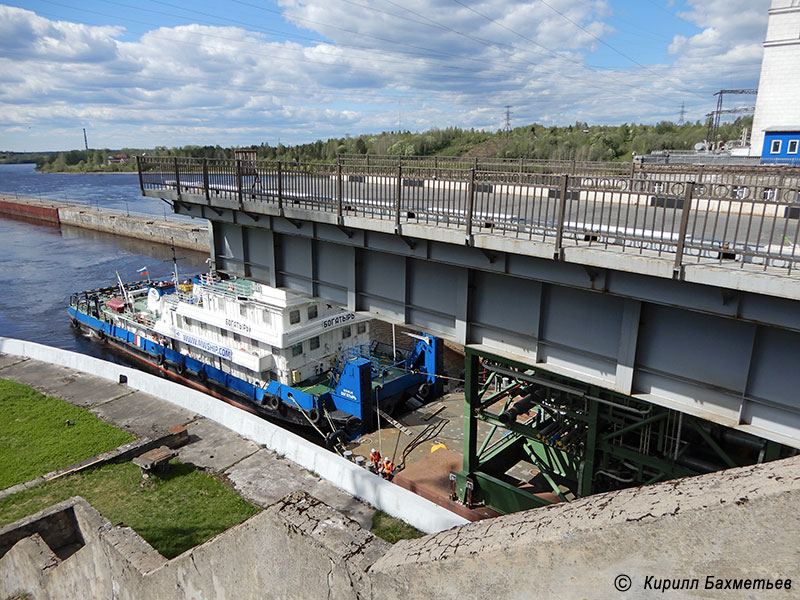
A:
43,264
117,191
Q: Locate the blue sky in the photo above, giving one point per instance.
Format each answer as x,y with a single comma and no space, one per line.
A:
238,72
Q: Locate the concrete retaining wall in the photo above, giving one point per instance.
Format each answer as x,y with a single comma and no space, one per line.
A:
732,525
296,548
183,235
347,476
142,227
737,528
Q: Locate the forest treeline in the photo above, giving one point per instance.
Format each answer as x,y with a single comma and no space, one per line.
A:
572,142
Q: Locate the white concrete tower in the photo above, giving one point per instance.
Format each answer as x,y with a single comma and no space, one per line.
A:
778,100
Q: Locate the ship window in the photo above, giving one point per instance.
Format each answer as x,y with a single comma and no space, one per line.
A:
267,317
237,337
313,343
346,333
294,317
297,349
361,328
775,147
243,310
187,321
312,311
792,147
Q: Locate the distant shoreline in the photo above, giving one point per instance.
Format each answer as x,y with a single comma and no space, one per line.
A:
38,170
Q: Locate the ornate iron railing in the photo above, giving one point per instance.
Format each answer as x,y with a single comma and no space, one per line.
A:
743,218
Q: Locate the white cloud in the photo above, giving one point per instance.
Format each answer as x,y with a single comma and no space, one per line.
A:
425,63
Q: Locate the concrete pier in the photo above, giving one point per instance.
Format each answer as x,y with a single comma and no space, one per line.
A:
193,236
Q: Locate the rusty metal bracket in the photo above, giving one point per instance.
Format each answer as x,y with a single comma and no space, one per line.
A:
453,492
469,486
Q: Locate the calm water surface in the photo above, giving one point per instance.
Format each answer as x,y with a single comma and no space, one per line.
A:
42,264
118,191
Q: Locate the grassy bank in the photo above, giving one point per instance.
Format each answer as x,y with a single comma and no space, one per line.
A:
173,513
393,530
36,439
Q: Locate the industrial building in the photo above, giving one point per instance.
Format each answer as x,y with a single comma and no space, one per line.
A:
776,124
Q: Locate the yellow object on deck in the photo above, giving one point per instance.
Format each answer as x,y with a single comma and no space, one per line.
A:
439,446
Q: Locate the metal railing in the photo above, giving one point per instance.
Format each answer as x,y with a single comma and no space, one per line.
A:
723,215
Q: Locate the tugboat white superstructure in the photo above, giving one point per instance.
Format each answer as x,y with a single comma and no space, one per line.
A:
271,351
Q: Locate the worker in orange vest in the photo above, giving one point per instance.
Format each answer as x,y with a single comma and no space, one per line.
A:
375,458
388,467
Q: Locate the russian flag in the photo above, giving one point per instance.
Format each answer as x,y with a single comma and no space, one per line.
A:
142,272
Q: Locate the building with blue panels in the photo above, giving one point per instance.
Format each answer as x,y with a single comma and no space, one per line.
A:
781,145
777,113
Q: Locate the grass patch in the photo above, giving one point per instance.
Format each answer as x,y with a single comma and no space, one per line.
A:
173,513
34,437
393,530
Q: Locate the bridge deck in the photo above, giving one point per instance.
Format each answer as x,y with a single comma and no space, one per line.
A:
682,294
752,222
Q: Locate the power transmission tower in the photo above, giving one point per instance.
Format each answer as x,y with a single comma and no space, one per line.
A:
682,118
507,128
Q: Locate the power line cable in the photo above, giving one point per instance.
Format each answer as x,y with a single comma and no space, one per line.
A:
603,42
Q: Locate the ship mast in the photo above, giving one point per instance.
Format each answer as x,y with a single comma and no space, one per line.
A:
174,264
125,295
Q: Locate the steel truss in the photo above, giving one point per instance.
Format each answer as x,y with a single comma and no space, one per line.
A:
569,439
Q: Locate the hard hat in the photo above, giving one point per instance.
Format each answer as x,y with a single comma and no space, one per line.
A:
373,450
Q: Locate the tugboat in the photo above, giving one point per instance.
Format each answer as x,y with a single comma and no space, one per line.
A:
270,351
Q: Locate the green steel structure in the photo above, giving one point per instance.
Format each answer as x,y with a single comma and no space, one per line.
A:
549,438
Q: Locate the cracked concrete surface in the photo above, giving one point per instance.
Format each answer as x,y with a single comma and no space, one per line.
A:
736,524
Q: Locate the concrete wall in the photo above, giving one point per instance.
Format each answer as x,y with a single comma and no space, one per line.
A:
183,235
345,475
194,236
734,526
296,548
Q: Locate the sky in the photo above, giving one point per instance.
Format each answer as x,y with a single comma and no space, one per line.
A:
146,73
